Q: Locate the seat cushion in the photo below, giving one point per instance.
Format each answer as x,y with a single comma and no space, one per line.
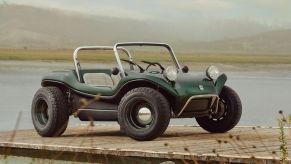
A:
116,79
98,79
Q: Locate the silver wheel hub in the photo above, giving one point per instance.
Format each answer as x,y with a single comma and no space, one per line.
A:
144,115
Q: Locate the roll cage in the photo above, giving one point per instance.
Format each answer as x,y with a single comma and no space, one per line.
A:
120,46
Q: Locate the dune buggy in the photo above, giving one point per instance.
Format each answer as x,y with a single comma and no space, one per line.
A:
140,100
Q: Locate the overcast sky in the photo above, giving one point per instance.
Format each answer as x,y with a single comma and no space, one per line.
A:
270,12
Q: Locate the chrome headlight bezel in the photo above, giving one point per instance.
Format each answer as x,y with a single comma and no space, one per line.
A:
212,72
171,73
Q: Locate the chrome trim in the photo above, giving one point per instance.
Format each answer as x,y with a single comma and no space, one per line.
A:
77,63
118,61
168,47
214,99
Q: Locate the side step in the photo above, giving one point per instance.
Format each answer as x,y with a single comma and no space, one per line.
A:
97,115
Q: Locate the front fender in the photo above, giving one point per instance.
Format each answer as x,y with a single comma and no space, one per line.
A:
219,83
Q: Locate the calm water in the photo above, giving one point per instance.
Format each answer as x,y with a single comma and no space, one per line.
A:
262,94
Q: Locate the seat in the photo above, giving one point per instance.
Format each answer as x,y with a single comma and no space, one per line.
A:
116,79
98,80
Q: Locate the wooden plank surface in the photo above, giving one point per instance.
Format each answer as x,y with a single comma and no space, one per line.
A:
178,142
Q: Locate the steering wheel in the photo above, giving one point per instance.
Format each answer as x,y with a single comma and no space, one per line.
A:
154,64
133,63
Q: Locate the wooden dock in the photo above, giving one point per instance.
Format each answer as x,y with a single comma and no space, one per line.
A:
180,144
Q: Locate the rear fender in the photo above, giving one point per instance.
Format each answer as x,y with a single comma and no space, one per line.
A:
61,85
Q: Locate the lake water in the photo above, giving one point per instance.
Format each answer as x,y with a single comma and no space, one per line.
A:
263,94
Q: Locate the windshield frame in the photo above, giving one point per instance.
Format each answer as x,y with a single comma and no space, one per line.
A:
128,44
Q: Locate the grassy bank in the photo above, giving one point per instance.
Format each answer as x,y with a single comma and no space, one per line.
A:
66,55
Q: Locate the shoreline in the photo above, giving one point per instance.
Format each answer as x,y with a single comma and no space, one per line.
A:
7,65
104,56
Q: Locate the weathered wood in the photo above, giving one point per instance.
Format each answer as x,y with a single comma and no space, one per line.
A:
242,144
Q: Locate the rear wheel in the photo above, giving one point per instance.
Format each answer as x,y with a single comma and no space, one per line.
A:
229,113
49,112
143,114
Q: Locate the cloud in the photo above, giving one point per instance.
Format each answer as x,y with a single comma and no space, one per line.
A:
42,3
270,11
114,11
272,4
200,5
89,7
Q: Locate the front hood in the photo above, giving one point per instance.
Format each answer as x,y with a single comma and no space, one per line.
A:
186,84
189,84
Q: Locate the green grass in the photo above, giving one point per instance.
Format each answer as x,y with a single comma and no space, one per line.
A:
66,55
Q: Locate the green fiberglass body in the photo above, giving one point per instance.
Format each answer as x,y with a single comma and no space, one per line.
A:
141,100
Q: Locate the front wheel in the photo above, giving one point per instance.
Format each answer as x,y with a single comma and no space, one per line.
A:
49,112
144,114
228,115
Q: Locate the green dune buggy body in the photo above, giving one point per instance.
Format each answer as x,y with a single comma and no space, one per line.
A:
142,101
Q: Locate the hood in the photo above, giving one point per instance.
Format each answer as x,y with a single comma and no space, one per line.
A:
194,84
186,84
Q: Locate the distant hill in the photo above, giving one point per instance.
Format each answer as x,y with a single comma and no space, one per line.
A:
32,27
24,26
274,42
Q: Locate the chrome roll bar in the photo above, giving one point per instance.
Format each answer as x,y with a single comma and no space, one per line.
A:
120,46
77,63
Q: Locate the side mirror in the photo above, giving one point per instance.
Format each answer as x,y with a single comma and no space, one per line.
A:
185,69
114,71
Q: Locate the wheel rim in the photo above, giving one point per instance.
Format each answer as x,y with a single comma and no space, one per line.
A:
140,114
222,111
41,112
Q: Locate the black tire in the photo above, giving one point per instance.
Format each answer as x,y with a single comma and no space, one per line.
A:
228,118
49,112
130,120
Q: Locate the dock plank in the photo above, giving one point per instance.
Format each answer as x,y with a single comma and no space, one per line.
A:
241,144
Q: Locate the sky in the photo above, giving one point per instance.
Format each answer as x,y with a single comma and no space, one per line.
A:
270,12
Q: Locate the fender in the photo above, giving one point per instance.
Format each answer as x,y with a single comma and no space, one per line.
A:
219,84
168,93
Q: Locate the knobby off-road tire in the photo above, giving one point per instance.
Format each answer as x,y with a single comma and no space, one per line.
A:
49,112
138,125
229,118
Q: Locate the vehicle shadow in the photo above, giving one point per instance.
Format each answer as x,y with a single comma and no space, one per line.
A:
117,133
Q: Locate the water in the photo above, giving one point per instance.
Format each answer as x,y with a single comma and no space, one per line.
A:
263,94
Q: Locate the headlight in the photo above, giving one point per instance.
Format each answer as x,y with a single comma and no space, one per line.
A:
171,73
212,72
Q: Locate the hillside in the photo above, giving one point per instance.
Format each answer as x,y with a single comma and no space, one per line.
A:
273,42
32,27
49,28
